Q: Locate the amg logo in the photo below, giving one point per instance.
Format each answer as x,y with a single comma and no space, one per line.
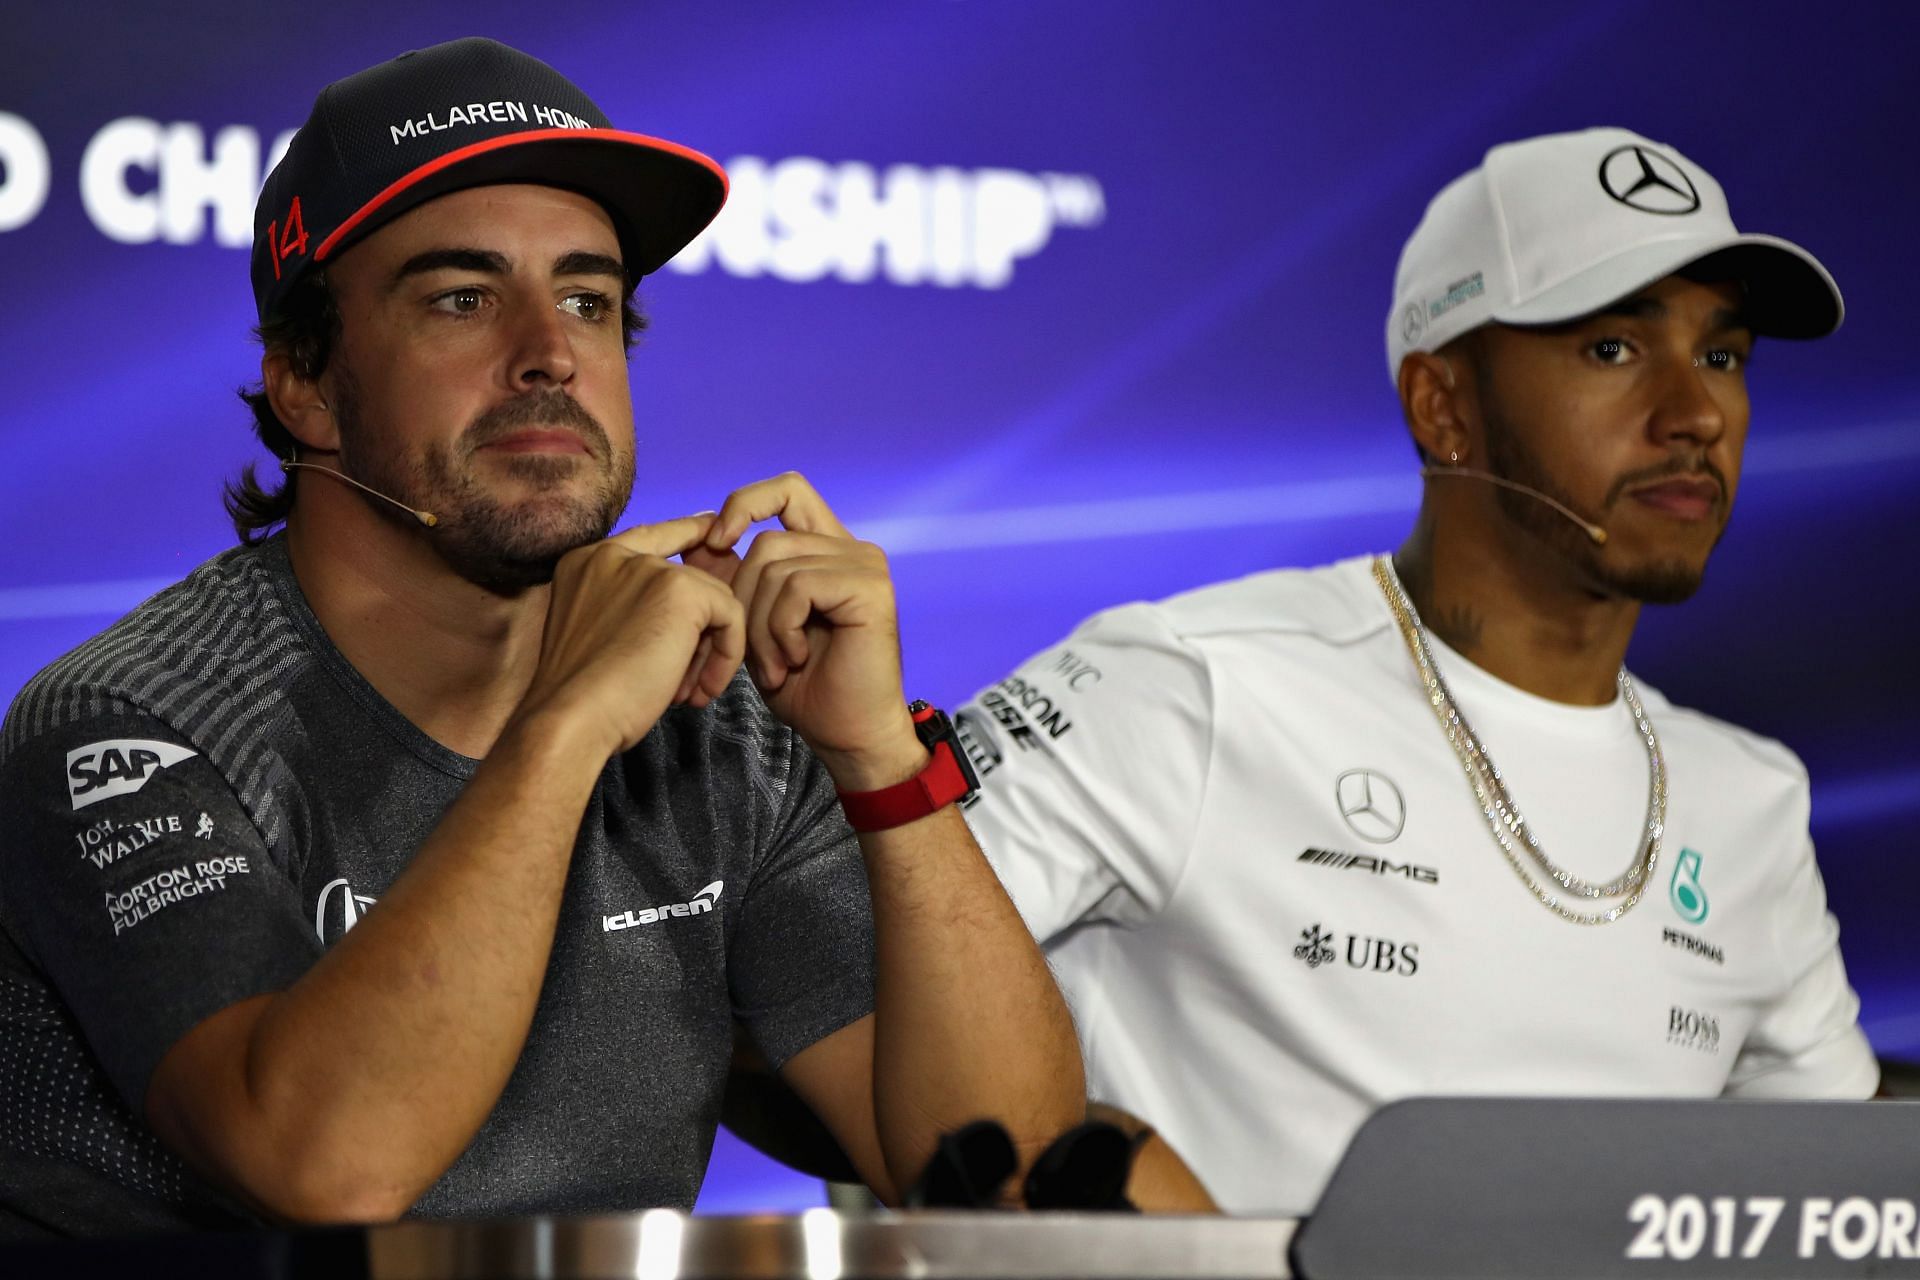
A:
1692,945
1367,862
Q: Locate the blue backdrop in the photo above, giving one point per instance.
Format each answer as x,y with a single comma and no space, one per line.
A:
1063,303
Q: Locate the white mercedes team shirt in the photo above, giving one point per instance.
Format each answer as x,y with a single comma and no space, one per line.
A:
1269,893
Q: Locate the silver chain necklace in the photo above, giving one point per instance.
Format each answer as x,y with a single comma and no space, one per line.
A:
1502,815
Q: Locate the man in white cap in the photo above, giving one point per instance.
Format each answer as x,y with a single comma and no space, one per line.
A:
1310,841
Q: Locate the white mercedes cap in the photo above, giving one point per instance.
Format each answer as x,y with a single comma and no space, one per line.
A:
1553,228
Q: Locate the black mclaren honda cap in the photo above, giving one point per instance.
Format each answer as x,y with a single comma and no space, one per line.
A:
467,113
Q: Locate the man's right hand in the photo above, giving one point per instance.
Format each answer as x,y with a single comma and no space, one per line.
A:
345,1096
625,628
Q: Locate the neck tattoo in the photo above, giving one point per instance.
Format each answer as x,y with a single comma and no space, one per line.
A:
1503,817
1459,627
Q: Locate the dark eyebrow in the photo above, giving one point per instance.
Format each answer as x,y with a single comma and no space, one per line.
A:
1638,307
1641,307
1728,320
484,261
584,263
580,262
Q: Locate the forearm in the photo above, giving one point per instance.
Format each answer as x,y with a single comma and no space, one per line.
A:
968,1022
1160,1181
350,1092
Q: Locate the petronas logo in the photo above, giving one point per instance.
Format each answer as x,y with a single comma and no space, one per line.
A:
1689,898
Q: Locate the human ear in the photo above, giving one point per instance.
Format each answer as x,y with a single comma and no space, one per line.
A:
299,402
1436,402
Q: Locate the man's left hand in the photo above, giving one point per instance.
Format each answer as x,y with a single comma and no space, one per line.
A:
823,636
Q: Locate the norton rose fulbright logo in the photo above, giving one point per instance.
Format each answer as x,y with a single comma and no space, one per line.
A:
701,902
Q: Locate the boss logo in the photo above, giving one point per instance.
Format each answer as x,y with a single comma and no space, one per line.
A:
1692,1029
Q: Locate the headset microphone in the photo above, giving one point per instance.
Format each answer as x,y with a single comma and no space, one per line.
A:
1593,531
426,518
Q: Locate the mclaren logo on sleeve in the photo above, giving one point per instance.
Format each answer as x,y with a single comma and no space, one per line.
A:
701,902
118,767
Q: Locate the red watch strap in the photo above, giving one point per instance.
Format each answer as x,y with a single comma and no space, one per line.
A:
933,788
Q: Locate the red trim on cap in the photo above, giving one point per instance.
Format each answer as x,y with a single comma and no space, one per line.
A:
434,166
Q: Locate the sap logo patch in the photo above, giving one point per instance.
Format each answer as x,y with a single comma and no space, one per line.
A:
118,767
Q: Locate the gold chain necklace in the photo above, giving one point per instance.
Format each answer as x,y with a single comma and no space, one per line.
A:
1502,815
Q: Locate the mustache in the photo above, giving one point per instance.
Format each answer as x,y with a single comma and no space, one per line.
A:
537,409
1679,468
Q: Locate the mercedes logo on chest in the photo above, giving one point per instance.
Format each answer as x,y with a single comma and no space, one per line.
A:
1644,179
1371,804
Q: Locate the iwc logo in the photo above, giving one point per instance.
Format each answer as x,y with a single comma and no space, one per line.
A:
1689,897
1371,804
1644,179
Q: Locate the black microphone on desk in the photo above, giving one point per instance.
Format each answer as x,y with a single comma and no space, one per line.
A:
426,518
1592,530
967,1169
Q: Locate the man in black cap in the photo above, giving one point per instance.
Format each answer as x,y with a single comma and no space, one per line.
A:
421,857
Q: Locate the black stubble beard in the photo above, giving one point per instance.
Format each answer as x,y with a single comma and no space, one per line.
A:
1669,581
501,548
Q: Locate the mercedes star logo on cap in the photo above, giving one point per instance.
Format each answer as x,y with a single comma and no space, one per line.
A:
1371,804
1414,324
1641,178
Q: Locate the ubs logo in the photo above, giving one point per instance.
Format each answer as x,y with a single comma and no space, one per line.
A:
1319,945
1371,804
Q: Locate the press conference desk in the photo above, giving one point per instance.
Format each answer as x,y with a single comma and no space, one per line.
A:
1532,1188
823,1245
664,1244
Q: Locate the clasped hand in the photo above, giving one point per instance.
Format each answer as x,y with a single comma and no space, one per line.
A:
808,608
